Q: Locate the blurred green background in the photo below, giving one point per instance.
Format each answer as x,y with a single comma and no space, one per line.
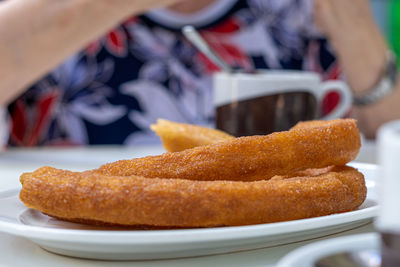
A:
394,27
387,15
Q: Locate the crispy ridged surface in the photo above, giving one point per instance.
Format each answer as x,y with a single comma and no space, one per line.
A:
180,136
92,197
250,180
322,144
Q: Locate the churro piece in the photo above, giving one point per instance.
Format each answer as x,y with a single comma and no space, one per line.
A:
92,197
322,144
282,176
180,136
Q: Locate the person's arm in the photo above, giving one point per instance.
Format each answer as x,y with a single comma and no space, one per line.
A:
37,35
361,50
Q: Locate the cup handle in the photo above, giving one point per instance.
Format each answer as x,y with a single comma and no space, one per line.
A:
346,98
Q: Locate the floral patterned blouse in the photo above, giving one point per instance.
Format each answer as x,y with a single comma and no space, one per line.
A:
117,86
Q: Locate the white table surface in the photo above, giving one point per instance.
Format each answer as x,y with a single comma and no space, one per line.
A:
15,251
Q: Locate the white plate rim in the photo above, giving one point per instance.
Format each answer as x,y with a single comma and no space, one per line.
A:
187,235
317,250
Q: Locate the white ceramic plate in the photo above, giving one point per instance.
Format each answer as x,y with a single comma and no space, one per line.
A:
119,244
366,245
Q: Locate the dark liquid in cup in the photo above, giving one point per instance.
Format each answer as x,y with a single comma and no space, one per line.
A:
390,249
267,114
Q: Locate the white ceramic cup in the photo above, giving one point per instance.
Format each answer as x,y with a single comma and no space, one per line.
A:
4,128
388,221
389,180
267,101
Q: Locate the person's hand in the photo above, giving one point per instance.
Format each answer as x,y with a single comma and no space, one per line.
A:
350,28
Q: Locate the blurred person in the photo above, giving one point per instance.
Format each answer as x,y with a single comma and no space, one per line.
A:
363,56
110,90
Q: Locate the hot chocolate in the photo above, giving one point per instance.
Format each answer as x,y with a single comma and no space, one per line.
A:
264,115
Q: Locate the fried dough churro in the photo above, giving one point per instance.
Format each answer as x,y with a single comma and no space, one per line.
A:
241,181
184,203
180,136
252,158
